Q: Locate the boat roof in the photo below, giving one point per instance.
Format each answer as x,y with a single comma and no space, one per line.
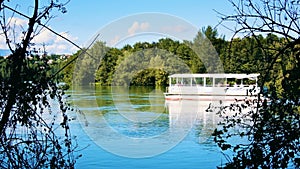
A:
224,75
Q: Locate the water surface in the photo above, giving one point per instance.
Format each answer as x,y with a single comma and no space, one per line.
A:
110,118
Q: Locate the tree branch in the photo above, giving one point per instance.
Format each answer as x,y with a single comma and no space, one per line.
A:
30,29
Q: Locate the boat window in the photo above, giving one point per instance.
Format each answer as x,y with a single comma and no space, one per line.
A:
220,82
209,82
186,81
199,81
249,82
231,82
239,82
193,81
173,81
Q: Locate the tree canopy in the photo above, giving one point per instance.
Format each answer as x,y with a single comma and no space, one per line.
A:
237,55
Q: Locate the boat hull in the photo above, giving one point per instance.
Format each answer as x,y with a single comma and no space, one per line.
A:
209,97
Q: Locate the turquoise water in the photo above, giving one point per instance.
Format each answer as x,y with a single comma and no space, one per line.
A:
113,124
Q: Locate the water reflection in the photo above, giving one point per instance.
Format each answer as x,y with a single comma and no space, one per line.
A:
137,122
204,122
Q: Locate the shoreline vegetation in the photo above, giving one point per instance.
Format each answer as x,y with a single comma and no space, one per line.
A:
238,55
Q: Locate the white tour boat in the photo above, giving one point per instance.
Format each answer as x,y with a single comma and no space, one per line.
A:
209,87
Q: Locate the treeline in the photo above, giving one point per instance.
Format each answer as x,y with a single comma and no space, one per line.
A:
149,64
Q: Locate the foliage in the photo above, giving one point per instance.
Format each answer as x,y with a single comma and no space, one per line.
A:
87,64
34,127
67,72
107,66
270,127
239,55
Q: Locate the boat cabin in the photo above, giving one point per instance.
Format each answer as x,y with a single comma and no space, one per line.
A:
213,84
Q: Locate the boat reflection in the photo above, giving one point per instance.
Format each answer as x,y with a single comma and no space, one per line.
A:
200,116
141,124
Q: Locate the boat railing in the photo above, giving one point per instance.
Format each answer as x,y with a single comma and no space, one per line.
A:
218,85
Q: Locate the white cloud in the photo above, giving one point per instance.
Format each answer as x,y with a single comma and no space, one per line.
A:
2,43
144,26
53,43
114,41
14,21
15,27
45,37
136,26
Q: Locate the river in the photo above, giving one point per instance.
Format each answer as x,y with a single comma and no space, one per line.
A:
136,128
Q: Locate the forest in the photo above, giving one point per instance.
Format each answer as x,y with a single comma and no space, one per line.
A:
149,64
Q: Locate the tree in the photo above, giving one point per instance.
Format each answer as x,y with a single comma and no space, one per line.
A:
69,64
30,135
207,53
107,67
86,65
271,127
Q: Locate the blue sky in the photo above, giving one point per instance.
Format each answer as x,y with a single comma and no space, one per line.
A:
85,18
